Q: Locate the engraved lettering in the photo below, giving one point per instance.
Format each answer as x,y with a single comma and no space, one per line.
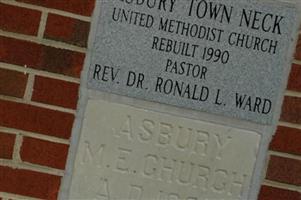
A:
220,181
202,178
126,129
147,130
201,143
150,165
167,169
222,140
184,138
123,160
165,133
136,192
93,155
103,192
186,170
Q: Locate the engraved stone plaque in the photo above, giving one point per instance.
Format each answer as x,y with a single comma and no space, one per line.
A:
229,58
130,153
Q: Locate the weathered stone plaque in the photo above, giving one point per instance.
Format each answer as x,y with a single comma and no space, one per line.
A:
130,153
223,57
227,58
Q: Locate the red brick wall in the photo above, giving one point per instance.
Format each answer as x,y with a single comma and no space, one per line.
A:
283,176
42,49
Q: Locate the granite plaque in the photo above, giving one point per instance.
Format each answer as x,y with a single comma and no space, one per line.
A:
222,57
130,153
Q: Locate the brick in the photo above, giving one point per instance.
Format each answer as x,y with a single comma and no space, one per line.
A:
55,92
44,153
29,183
12,83
7,142
287,140
272,193
65,29
41,57
298,49
35,119
294,82
291,110
19,20
81,7
284,170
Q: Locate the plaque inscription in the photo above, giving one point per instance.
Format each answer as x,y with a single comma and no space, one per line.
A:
130,153
221,57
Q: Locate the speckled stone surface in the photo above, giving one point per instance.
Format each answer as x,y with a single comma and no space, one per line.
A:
244,83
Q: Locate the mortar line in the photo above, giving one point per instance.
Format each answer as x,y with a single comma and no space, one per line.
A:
39,72
290,125
32,167
29,87
17,149
298,62
285,155
16,196
47,138
11,132
44,169
281,185
42,26
49,10
292,93
46,42
41,105
35,135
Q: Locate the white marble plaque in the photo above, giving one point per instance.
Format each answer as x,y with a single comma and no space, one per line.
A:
130,153
229,58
